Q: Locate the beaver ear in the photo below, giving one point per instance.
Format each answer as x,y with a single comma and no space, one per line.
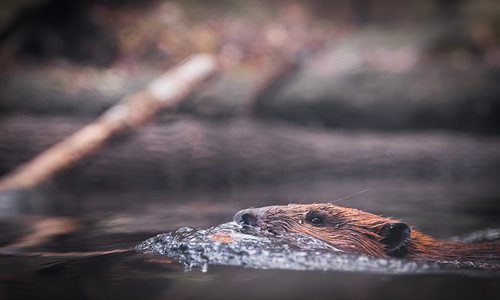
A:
395,237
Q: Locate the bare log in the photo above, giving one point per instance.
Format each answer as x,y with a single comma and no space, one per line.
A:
191,153
131,112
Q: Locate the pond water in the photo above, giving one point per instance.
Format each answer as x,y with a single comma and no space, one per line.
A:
83,262
233,244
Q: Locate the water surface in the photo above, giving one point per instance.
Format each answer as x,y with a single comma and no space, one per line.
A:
110,221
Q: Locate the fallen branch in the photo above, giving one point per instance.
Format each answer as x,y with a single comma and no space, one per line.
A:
131,112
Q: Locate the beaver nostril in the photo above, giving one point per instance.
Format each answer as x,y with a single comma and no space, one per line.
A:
246,217
249,219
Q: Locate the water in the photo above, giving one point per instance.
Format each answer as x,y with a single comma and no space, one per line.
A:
77,265
233,245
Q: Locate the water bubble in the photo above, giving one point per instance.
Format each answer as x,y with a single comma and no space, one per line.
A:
204,267
196,248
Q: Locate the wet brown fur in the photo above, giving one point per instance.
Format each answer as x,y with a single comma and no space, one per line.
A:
353,230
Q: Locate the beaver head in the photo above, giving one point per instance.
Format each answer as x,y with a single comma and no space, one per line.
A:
347,229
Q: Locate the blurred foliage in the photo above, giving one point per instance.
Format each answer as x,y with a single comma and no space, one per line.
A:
161,32
435,61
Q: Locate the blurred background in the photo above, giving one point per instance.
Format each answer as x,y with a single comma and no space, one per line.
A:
315,101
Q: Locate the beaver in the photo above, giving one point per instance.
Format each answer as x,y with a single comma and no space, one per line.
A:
355,231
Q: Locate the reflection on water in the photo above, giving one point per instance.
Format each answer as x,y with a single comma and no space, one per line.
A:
135,276
124,220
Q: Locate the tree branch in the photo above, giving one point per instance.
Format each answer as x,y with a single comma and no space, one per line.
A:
167,91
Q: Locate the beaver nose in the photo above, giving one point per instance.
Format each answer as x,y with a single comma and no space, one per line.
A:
246,217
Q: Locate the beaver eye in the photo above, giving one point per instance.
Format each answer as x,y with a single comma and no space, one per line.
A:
315,218
316,221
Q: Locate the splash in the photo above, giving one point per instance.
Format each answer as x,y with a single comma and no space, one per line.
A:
231,244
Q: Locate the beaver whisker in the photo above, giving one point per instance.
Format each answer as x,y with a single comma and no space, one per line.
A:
276,227
273,231
353,230
280,224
